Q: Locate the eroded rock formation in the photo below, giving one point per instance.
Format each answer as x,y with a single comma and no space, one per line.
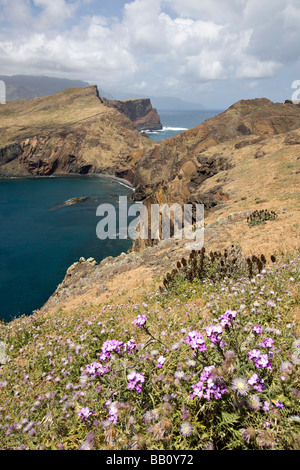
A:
69,132
139,111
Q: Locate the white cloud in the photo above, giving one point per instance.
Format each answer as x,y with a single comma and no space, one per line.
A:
253,68
156,44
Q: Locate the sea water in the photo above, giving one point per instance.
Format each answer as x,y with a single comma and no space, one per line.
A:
176,122
40,236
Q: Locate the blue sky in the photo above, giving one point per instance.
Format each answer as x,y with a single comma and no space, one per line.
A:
212,52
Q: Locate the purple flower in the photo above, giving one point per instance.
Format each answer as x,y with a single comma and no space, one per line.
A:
267,343
254,354
214,333
257,329
88,443
113,412
267,406
209,385
279,404
135,380
227,318
96,368
85,413
196,341
261,361
140,321
108,347
253,379
160,361
130,346
257,383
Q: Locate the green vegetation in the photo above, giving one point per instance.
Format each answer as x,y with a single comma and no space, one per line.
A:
208,363
260,217
215,266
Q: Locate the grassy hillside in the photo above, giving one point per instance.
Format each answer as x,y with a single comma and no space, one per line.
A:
203,365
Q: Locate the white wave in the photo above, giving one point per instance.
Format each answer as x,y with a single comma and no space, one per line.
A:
165,128
126,185
175,129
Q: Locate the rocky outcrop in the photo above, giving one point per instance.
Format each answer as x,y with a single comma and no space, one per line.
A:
182,158
177,170
69,132
139,111
9,153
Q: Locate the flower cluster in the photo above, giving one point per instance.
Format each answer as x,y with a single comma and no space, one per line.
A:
85,413
110,346
257,329
140,321
95,369
115,346
113,412
227,318
257,382
196,341
209,386
261,361
135,381
214,333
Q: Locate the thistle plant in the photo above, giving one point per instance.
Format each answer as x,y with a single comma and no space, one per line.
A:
259,217
215,266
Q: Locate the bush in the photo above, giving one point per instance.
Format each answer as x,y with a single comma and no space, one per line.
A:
260,217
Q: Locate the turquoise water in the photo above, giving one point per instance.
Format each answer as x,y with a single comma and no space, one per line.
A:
40,238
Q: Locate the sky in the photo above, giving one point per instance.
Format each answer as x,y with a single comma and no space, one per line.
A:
211,52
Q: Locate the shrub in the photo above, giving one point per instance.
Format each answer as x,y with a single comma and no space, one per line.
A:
215,266
260,217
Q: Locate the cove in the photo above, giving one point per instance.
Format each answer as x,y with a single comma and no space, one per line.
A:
47,224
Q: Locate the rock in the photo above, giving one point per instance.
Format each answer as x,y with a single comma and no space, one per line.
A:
71,132
160,165
139,111
9,153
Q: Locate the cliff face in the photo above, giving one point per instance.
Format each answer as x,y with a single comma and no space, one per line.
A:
182,158
198,166
69,132
139,111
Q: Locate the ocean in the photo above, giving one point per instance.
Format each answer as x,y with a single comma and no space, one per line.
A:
176,122
40,237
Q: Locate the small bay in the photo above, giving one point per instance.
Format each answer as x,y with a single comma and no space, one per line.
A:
41,236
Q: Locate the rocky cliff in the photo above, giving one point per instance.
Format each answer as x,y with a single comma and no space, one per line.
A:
196,166
139,111
183,157
70,132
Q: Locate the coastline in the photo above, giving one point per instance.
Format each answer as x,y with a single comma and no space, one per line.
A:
113,178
